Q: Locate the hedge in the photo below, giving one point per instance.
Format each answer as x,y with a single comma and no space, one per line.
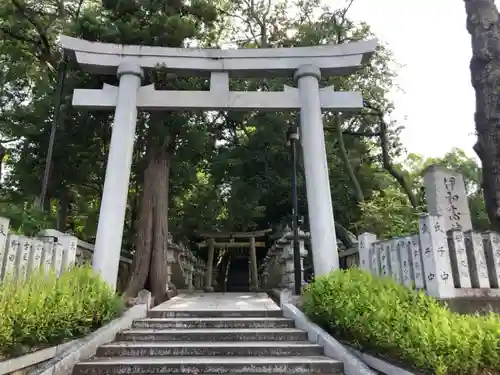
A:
382,317
46,310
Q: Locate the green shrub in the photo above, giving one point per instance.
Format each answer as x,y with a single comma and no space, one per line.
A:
46,310
386,318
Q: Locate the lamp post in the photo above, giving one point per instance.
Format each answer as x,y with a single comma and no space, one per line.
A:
293,137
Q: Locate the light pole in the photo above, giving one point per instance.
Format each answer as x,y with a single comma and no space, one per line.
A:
293,137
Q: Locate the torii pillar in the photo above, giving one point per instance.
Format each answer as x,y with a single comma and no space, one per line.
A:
210,265
253,265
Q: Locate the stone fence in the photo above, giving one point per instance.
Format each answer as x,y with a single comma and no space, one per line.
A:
277,269
446,264
20,256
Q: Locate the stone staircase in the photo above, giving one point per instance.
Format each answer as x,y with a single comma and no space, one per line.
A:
211,342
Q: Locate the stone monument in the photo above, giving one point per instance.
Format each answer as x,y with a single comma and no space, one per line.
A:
306,64
446,196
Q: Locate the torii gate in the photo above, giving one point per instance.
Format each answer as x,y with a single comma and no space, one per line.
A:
306,64
227,240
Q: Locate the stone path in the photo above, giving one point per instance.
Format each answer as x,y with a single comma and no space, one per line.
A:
219,301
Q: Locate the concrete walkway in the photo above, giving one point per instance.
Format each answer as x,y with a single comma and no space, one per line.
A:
219,301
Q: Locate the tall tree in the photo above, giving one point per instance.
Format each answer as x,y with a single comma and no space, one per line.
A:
483,25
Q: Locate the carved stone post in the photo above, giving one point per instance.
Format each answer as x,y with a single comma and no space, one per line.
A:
210,265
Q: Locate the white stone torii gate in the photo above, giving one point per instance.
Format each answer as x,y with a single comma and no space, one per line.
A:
306,64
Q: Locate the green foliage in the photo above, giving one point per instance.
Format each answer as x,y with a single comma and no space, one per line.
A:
387,214
26,219
378,315
46,310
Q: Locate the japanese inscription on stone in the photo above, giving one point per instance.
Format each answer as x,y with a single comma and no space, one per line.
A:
365,241
13,242
375,258
395,260
459,261
436,259
36,255
416,257
406,263
477,260
446,196
385,264
23,257
47,254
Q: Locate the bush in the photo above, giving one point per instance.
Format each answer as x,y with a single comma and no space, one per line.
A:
388,319
46,310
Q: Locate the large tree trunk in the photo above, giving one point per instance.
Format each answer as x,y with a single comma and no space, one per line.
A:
149,267
483,26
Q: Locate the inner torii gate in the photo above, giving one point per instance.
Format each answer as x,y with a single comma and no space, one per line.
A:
226,240
305,64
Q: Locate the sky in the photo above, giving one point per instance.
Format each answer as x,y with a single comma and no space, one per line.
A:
429,38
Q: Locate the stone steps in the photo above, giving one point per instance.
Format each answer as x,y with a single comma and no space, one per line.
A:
209,365
212,349
214,334
212,341
214,313
164,323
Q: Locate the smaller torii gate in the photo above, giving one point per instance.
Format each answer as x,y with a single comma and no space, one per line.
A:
215,240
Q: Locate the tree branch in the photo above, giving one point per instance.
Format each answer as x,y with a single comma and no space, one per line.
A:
46,50
354,133
345,158
386,159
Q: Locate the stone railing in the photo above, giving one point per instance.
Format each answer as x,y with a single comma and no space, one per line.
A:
277,269
54,250
85,252
445,265
20,256
50,250
186,271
